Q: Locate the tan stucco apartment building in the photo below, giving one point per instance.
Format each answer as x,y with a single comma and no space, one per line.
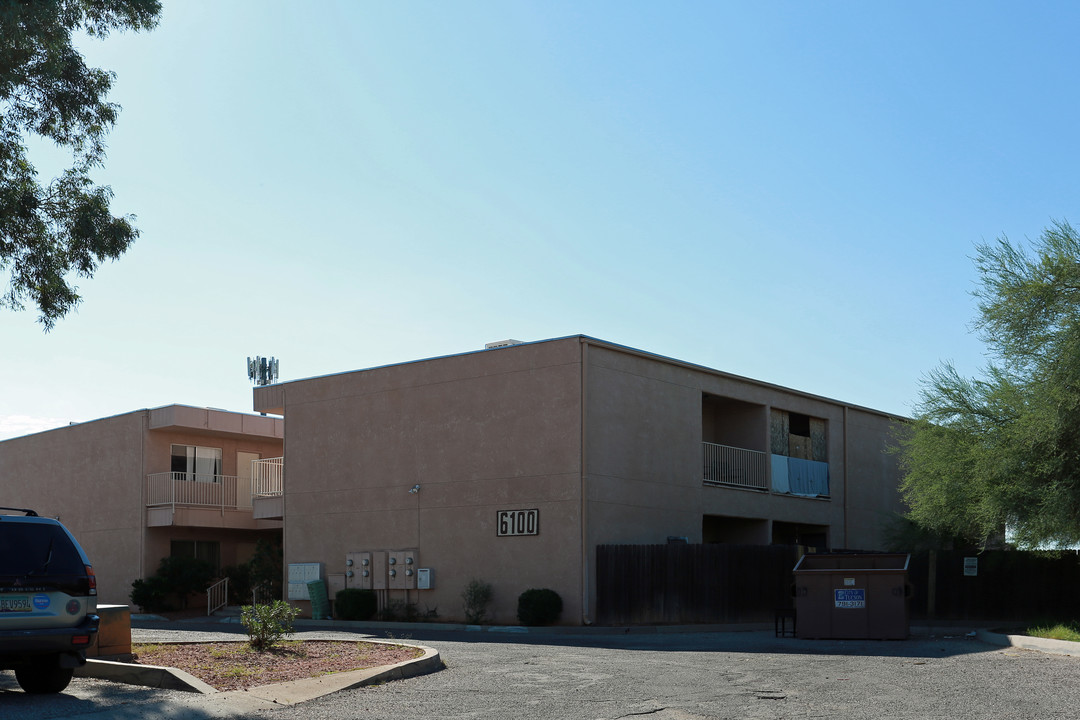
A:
512,464
138,487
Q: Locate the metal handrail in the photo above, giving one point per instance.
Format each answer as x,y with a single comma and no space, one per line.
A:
217,596
261,595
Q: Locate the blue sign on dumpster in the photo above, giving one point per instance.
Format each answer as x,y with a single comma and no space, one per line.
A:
850,598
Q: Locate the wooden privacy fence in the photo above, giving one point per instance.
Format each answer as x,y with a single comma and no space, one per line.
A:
1007,585
680,583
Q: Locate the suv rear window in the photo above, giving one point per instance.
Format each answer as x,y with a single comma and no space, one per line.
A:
37,549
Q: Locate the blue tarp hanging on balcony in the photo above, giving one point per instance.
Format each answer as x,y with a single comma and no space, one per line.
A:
808,477
780,474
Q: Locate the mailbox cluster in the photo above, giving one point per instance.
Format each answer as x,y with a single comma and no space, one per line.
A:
385,570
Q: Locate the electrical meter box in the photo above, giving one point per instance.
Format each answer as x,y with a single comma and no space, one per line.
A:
425,579
300,574
401,569
359,564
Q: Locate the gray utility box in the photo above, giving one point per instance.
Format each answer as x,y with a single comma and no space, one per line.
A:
852,596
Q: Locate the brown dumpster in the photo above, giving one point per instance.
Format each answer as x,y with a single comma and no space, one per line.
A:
852,595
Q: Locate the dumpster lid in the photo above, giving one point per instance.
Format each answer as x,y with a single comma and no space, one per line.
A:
862,562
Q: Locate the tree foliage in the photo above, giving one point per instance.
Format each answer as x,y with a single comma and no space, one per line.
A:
1003,449
65,226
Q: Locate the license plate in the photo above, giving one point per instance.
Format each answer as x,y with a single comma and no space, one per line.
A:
15,603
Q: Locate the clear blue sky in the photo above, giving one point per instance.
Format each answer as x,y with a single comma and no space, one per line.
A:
789,191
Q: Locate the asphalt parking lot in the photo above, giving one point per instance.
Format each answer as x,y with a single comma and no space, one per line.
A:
683,676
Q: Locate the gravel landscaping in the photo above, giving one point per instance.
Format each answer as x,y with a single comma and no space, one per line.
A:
235,666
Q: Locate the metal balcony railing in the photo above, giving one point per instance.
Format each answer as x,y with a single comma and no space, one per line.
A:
192,490
725,465
268,477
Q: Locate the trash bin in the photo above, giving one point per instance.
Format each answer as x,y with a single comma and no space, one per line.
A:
320,603
852,596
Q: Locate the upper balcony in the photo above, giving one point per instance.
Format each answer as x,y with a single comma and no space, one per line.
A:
755,447
200,500
268,488
742,468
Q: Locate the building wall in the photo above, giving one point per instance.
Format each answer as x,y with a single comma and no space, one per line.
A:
505,429
874,499
646,418
489,431
87,474
93,476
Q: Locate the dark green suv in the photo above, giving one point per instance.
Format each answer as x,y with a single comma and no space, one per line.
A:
48,601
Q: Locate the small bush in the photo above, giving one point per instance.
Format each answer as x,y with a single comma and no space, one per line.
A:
355,604
475,599
539,607
185,576
267,625
151,594
175,580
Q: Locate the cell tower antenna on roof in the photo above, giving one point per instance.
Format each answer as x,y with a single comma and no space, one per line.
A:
262,371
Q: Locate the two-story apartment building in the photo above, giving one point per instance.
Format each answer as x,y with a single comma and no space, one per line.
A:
144,485
512,464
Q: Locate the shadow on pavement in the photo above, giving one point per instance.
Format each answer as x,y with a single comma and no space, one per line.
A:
944,641
89,700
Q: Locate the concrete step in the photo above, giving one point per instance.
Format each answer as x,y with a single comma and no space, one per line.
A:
228,611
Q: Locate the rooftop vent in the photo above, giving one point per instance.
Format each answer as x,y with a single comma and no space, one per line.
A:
502,343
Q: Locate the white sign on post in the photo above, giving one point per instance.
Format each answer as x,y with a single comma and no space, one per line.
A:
971,567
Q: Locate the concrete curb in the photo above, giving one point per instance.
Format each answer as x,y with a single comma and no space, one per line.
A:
298,691
287,693
1046,645
153,676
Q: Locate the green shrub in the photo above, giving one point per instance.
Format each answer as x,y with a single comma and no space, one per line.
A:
175,580
355,604
151,594
539,607
185,575
267,625
475,599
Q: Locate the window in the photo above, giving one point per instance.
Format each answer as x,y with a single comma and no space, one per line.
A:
208,550
201,464
799,424
32,548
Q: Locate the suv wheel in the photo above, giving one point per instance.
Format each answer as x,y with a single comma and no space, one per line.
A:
43,676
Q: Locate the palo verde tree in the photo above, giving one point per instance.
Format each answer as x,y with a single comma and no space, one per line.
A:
50,231
1003,449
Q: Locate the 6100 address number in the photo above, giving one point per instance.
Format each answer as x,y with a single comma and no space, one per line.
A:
517,522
